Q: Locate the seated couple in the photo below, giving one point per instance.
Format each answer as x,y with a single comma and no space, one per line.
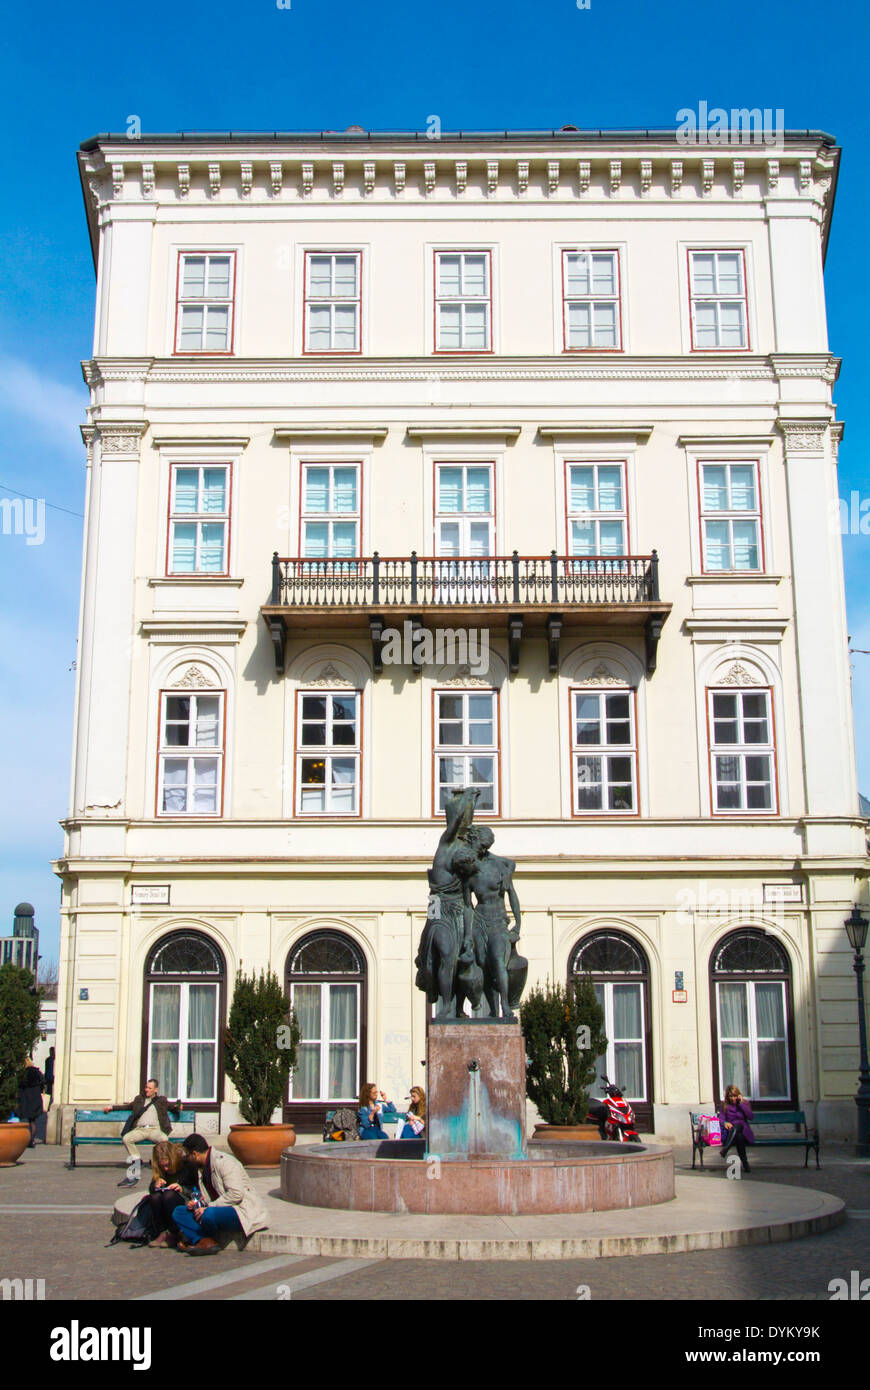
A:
198,1193
373,1104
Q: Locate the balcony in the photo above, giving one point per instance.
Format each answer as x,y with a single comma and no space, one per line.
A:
519,594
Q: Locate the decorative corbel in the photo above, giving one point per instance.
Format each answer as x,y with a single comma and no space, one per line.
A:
805,173
276,174
584,173
708,170
376,629
772,175
429,176
676,176
399,177
214,179
183,180
615,175
652,632
277,634
554,632
515,634
147,180
338,178
461,175
738,174
491,175
552,175
117,172
369,176
523,176
645,176
247,172
307,179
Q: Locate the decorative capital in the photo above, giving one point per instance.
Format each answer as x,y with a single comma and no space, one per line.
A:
120,438
803,436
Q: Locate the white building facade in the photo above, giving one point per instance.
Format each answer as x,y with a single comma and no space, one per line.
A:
567,395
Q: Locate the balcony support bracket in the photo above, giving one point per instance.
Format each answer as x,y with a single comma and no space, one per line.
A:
652,632
376,627
554,632
515,635
278,634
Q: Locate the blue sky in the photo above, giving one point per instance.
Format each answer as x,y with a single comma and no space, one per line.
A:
317,65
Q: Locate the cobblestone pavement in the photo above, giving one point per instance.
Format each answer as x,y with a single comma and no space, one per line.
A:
55,1226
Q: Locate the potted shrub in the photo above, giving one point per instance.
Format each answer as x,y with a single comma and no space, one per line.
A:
19,1031
563,1029
260,1046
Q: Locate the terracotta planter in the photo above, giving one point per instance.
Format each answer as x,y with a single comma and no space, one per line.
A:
549,1133
261,1146
14,1139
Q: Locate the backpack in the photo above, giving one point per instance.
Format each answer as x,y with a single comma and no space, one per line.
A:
344,1125
138,1229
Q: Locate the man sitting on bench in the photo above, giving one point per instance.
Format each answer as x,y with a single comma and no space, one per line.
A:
148,1119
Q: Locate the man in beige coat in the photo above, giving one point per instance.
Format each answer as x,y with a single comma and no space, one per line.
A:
227,1205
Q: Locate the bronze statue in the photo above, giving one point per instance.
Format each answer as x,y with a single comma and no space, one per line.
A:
470,953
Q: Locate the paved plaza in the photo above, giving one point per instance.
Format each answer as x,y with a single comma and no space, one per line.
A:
55,1225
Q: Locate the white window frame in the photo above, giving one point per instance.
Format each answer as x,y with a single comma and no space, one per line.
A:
462,299
604,751
742,750
199,519
331,301
178,752
183,1041
329,752
592,299
730,515
205,301
718,298
330,517
753,1039
610,1068
597,515
466,750
325,1040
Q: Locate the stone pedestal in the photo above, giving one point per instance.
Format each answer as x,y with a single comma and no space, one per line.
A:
476,1090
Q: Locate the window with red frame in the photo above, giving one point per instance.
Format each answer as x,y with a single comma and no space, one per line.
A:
730,502
466,746
199,519
328,753
717,295
463,301
742,752
190,773
591,300
603,752
206,288
333,301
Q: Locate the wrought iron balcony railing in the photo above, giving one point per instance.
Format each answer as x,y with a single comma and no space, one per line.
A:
513,581
522,594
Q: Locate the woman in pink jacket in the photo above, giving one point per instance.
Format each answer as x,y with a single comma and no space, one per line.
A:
735,1116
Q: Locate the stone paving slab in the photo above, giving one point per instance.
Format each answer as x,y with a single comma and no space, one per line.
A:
743,1214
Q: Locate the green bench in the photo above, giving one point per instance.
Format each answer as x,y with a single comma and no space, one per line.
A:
114,1117
796,1119
387,1118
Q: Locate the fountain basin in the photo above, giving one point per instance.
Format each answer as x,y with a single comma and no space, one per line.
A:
564,1177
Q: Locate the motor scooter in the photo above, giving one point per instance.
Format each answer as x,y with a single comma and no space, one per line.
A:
614,1116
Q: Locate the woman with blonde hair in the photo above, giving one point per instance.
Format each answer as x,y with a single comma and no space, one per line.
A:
174,1178
415,1117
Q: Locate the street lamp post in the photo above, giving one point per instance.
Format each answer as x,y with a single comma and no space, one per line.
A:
856,929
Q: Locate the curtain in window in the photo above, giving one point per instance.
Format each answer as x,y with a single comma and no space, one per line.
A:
165,1010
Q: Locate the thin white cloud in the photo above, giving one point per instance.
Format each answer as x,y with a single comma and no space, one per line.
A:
54,408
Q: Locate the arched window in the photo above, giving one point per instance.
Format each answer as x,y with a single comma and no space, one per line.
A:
326,976
185,980
753,1043
620,974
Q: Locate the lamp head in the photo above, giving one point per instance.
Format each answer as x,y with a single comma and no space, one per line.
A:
856,929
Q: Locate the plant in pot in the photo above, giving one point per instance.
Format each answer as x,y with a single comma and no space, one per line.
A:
19,1031
563,1029
260,1046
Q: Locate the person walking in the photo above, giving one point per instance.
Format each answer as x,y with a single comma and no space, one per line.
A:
736,1115
148,1119
227,1203
30,1087
49,1077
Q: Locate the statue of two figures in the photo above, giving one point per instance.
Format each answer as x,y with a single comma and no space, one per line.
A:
468,949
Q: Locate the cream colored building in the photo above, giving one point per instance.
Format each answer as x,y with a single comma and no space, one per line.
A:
571,392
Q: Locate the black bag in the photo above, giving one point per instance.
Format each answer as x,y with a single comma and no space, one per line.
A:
344,1122
139,1228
